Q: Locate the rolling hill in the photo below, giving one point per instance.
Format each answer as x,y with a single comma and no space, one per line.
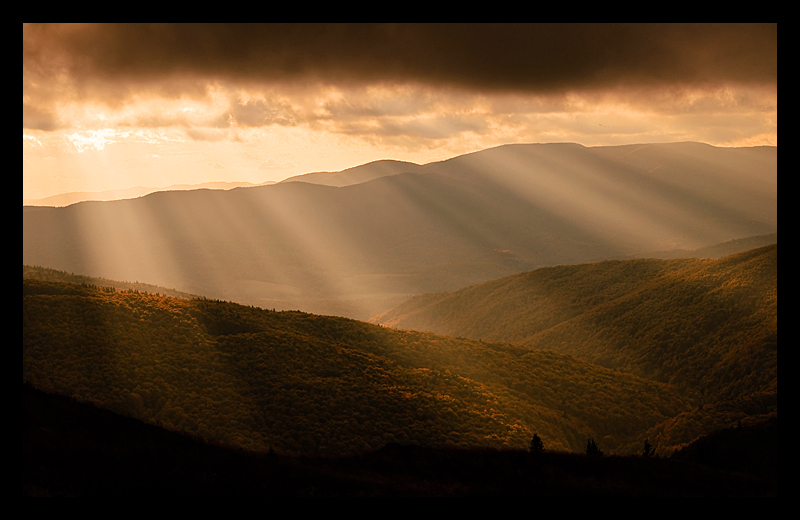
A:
306,384
707,326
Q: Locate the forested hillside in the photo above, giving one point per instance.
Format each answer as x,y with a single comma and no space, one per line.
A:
53,275
686,346
300,383
709,327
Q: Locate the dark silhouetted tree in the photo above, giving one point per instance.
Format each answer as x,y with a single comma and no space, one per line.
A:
591,448
537,446
648,451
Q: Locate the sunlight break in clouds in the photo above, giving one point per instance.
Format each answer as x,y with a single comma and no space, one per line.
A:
96,139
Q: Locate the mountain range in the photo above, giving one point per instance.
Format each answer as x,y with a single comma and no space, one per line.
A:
556,296
358,242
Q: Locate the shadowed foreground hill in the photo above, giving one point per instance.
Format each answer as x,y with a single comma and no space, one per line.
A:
74,449
710,327
300,383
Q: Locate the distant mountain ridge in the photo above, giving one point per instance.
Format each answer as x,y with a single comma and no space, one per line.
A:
66,199
360,249
357,174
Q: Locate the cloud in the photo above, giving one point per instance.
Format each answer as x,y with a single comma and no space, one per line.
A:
257,112
272,164
515,57
34,118
206,134
409,85
440,127
156,121
356,103
92,139
30,140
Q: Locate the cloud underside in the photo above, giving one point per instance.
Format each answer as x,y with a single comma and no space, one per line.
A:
399,83
410,116
530,57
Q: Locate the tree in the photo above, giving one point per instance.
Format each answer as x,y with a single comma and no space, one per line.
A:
591,448
648,451
537,446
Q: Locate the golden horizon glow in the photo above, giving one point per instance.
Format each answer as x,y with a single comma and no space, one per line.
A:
159,142
98,116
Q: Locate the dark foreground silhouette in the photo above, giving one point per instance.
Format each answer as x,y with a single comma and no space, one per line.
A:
75,449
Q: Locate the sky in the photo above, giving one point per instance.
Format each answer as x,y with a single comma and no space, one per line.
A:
117,106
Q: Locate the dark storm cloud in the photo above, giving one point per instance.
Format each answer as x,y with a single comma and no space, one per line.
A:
487,57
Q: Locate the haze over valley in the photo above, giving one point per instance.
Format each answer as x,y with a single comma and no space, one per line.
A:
357,250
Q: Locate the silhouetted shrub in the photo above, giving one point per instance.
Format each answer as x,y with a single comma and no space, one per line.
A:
591,448
537,446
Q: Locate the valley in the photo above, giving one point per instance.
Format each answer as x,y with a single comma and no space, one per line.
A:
255,344
357,250
418,259
302,383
